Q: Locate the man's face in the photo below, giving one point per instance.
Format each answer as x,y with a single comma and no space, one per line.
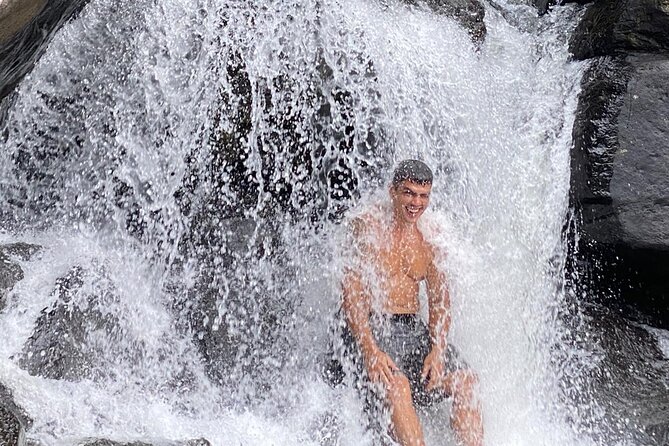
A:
410,200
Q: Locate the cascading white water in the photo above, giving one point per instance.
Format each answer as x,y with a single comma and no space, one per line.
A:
128,94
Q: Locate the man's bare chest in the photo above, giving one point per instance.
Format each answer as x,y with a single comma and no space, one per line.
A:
404,260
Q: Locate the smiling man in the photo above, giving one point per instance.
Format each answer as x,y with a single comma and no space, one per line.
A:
401,361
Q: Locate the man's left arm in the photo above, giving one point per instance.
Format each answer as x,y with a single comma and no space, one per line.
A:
439,323
439,307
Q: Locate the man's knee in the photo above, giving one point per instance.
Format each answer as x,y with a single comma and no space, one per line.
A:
464,384
399,390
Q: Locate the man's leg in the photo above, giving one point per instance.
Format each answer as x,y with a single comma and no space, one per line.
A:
405,423
466,417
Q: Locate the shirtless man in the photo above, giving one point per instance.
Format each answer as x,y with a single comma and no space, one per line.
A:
408,361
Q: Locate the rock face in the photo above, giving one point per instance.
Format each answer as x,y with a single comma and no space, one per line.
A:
14,15
626,376
13,420
61,346
10,271
620,160
469,13
25,29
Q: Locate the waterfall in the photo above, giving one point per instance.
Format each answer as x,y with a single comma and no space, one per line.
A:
185,167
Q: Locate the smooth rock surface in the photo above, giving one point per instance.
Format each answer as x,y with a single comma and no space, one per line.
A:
22,45
621,152
640,181
15,14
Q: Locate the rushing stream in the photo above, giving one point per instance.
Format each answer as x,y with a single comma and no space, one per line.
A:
185,166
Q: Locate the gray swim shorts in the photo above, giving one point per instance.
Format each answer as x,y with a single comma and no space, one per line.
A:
406,339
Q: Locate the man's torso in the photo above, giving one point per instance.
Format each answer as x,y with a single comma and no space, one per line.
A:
401,260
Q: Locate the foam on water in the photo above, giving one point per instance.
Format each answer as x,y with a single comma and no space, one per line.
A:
495,123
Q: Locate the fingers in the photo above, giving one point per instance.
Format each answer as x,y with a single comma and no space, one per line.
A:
426,371
432,383
433,371
383,370
388,369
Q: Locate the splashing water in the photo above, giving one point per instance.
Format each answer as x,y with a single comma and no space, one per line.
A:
193,159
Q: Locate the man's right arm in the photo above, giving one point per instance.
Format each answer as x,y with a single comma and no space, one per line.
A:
357,307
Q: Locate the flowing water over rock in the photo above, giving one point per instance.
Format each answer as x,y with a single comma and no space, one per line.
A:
185,166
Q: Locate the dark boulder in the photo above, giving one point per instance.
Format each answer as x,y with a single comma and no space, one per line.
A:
640,181
13,420
610,26
620,177
237,311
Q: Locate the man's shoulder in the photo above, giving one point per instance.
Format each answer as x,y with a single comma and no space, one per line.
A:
369,221
434,234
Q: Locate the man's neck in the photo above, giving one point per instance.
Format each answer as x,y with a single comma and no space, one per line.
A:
402,228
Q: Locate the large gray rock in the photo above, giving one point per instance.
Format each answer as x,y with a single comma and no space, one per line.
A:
619,159
617,385
611,26
237,311
61,346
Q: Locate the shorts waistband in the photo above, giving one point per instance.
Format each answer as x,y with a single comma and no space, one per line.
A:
403,318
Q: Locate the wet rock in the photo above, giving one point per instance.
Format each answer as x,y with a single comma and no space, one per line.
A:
640,181
65,343
469,13
31,25
611,26
10,272
237,312
13,420
625,373
239,194
15,14
620,180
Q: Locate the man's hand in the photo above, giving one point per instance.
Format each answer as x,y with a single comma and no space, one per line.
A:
433,369
380,367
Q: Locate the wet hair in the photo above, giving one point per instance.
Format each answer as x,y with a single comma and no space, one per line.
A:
414,171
